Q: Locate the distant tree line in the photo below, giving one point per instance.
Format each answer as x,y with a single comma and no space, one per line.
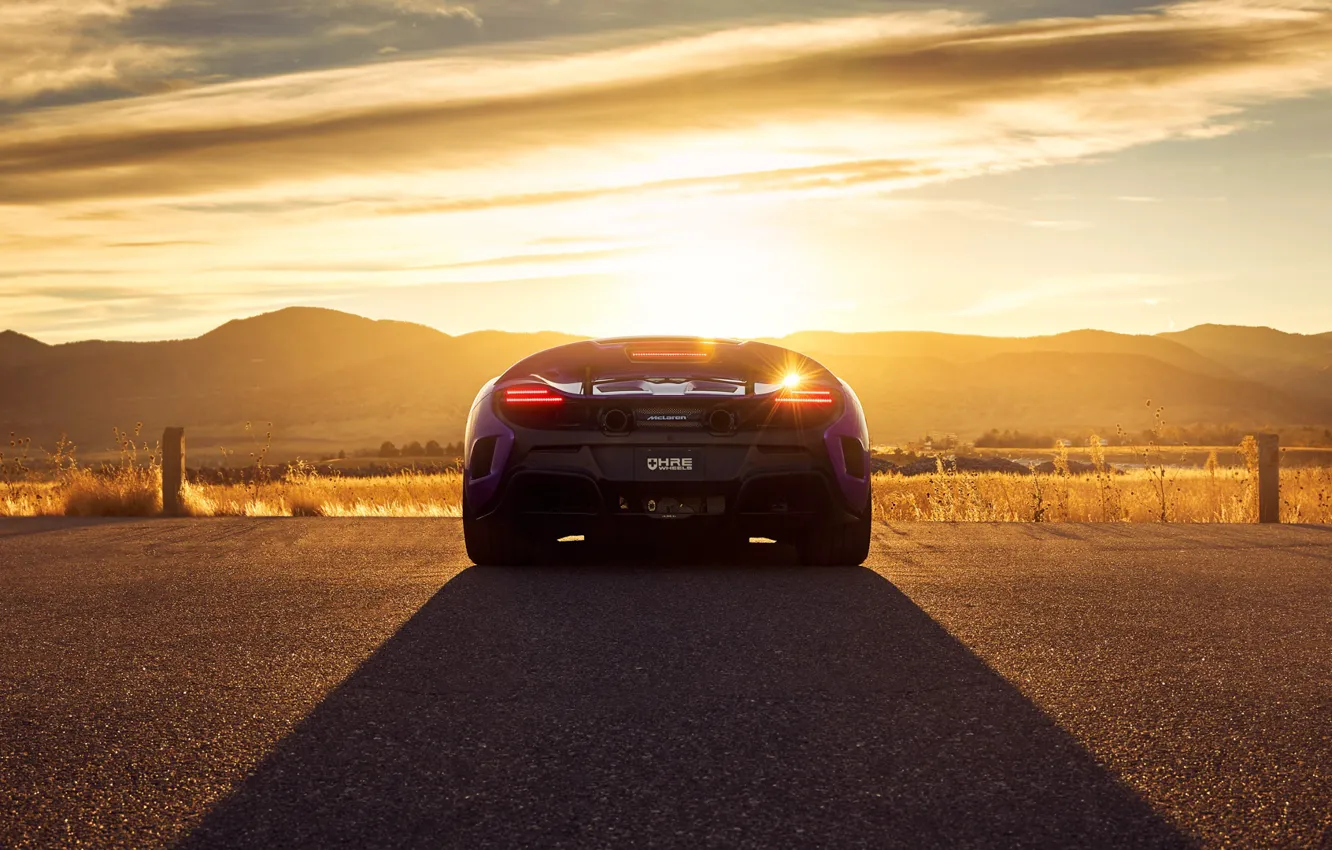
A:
415,449
1172,435
388,449
1007,439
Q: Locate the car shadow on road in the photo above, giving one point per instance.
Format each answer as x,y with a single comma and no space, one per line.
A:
24,526
653,705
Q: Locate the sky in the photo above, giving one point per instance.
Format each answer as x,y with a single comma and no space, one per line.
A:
719,167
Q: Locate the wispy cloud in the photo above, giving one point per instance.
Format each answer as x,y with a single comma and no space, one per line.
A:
1071,290
53,46
506,261
424,171
841,175
1062,225
965,96
159,243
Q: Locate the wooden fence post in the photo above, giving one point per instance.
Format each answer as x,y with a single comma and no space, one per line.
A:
173,470
1269,478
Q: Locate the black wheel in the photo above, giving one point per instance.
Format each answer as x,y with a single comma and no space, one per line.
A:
493,543
841,545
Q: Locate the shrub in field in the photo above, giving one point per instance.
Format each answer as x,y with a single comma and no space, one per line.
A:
23,490
133,487
123,492
1109,499
30,499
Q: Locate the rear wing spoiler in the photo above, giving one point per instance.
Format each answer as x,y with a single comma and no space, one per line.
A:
588,363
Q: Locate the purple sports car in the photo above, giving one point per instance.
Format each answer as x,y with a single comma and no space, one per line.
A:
620,439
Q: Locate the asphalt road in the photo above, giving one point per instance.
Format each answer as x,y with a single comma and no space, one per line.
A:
324,683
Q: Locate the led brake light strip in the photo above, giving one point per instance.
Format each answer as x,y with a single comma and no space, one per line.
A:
669,355
819,397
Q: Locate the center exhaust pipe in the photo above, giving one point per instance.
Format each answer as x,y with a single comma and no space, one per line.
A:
721,421
615,421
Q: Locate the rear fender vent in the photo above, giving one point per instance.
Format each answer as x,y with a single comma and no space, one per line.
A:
483,455
853,457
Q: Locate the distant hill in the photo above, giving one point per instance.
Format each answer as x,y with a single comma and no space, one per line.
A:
956,348
1056,392
325,379
17,348
330,380
1296,362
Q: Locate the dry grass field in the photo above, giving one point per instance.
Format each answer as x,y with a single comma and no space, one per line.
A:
1137,496
138,493
1152,495
1157,492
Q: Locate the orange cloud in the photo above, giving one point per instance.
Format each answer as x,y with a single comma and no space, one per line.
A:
51,46
937,93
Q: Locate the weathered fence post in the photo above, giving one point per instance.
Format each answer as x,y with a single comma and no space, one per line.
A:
1269,478
173,470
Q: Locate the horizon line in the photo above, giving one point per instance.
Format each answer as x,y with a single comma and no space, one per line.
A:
307,307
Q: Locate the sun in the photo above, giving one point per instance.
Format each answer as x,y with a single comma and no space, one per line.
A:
722,279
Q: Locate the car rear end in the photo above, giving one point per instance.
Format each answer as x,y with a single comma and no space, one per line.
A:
618,440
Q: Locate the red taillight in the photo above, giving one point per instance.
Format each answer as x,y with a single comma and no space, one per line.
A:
806,398
532,394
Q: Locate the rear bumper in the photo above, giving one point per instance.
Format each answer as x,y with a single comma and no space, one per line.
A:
768,487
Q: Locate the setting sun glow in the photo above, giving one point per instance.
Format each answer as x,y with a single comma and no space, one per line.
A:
716,277
755,170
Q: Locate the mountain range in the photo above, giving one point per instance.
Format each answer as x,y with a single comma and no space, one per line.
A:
328,380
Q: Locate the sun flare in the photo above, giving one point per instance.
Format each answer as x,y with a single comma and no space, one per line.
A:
720,278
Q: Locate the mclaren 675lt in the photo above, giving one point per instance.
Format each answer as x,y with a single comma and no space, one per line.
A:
622,441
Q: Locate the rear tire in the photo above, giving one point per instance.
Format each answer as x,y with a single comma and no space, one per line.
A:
494,542
841,545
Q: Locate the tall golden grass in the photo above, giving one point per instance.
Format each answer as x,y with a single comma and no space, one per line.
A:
1191,496
1156,493
89,494
404,495
131,487
1138,496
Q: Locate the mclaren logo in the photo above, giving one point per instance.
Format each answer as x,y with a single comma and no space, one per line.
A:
670,464
667,417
